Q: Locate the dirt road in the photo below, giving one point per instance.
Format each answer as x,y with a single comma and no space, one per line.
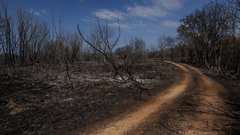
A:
207,117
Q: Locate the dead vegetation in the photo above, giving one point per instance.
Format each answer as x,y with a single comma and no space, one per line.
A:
37,99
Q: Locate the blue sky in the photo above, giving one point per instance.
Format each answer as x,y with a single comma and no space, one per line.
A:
147,19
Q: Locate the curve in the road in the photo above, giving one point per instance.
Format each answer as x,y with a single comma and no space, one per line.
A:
211,120
132,120
210,107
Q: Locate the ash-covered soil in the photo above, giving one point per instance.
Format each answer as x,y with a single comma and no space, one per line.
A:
232,99
44,100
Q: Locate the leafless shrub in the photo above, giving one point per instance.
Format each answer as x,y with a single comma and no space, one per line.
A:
103,40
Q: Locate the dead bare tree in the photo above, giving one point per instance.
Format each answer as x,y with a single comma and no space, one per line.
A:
170,42
181,48
104,41
234,58
161,46
6,29
74,46
139,48
126,53
2,41
95,38
38,41
26,32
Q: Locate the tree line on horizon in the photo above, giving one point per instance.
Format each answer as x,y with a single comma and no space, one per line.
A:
207,37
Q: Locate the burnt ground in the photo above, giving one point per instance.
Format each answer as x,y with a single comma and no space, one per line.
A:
43,100
232,99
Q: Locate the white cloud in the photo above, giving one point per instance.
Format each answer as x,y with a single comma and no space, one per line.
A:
170,24
154,8
34,12
146,11
44,12
88,20
108,14
150,9
121,25
169,4
38,13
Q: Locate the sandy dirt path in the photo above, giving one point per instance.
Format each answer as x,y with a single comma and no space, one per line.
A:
210,118
161,101
210,105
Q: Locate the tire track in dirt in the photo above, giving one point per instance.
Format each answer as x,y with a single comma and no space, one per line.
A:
210,118
132,120
172,119
201,109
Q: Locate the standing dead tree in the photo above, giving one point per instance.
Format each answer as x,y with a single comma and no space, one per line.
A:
6,34
134,51
234,59
104,43
139,48
161,46
164,44
181,48
103,40
26,33
170,42
39,39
